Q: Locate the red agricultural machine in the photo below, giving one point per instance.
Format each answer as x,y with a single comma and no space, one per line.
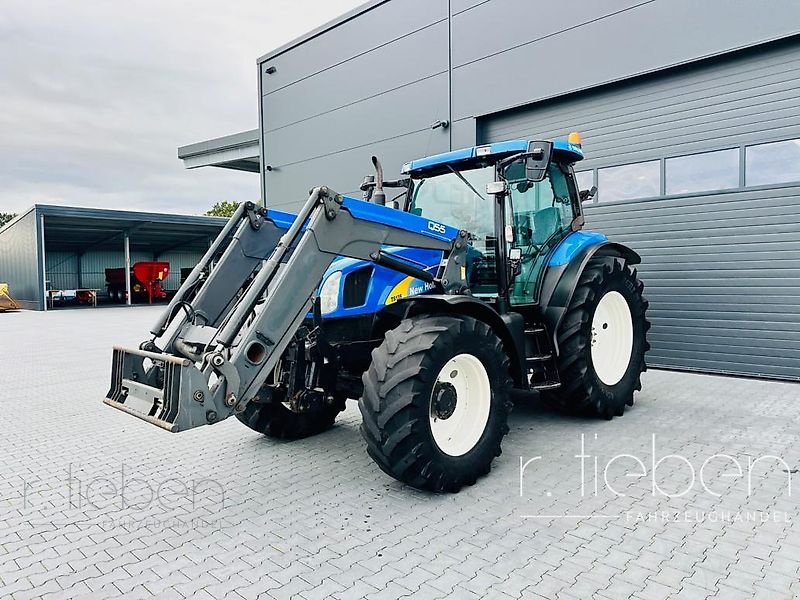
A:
147,279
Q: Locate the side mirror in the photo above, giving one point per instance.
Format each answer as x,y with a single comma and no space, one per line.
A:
537,159
586,195
530,166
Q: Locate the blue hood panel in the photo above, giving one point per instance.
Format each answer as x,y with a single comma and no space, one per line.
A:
386,285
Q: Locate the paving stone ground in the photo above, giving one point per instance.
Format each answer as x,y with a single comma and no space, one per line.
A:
96,504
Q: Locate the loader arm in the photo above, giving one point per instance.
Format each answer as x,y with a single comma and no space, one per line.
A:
221,336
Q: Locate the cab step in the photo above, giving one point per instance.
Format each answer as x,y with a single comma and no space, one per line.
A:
540,361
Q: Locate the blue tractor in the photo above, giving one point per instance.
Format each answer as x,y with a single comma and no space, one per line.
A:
475,279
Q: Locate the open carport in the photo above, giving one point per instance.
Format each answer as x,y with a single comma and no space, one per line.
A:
68,248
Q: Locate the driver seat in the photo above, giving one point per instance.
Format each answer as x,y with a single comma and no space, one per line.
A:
545,223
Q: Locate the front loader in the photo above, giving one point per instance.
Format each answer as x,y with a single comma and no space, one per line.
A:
474,280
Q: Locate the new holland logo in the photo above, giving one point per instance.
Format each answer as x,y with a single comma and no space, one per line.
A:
408,287
437,227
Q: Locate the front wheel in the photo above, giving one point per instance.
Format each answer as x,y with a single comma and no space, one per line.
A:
602,341
277,419
436,402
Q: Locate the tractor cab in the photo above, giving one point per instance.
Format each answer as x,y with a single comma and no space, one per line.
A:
518,199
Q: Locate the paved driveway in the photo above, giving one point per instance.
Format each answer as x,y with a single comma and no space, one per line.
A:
95,503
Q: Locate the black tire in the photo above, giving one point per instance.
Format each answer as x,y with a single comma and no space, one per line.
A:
397,401
275,419
583,392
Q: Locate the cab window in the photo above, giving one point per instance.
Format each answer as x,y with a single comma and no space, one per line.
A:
539,215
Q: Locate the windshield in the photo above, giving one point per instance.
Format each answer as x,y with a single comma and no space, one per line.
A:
449,199
463,203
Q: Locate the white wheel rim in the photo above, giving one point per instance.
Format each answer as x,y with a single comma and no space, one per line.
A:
457,429
612,338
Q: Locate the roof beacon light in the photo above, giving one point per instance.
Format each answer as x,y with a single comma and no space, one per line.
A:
574,138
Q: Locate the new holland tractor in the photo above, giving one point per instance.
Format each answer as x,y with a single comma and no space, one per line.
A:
475,279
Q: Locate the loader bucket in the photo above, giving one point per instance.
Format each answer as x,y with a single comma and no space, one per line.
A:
165,390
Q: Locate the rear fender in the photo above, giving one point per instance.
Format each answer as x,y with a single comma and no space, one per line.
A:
559,283
510,328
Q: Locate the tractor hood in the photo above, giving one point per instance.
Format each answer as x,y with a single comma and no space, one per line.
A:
357,287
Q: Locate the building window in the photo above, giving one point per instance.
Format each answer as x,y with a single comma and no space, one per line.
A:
777,162
584,180
704,172
628,182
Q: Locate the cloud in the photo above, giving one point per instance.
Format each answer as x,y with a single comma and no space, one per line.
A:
96,96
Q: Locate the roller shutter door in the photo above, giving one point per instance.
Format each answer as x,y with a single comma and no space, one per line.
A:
721,268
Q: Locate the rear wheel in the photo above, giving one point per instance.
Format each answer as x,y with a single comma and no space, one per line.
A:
602,341
436,402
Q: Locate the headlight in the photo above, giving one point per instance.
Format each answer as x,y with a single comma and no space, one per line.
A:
329,294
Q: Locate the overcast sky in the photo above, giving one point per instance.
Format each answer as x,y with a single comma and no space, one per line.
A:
96,96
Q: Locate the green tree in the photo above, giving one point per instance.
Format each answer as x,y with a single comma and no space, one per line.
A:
6,217
223,209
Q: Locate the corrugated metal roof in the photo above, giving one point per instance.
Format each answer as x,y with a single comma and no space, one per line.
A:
52,210
77,229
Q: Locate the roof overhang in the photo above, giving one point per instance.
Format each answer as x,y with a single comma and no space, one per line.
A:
239,151
78,230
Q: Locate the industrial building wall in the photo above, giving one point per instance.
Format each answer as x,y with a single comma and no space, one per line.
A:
698,170
639,78
61,270
372,85
64,272
19,261
545,50
374,81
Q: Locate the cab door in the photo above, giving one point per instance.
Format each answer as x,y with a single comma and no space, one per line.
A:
539,215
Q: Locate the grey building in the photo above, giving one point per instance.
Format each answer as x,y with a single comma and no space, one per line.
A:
690,115
61,247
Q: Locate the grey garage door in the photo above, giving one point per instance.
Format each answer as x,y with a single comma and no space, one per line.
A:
698,169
